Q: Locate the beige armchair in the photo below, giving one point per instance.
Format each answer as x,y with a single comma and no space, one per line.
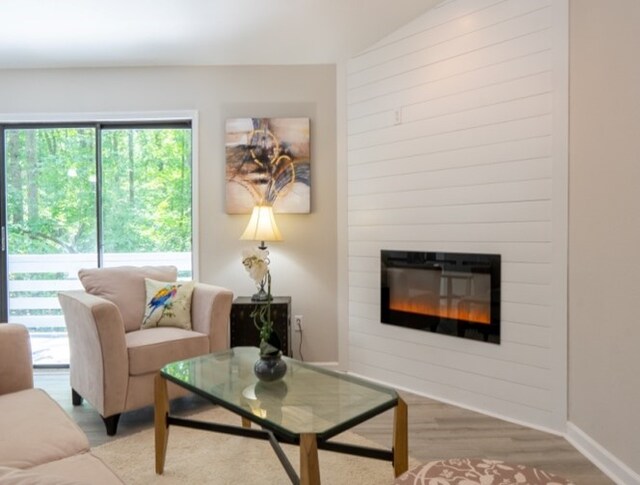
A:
113,360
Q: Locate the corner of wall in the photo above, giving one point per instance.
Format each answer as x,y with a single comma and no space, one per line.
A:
600,456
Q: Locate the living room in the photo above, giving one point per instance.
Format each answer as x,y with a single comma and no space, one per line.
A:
561,94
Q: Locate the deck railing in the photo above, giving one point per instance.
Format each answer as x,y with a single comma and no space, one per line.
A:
35,279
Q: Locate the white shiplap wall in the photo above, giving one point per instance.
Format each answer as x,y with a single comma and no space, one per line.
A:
456,142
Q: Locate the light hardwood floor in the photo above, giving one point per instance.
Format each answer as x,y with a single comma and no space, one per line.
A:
436,431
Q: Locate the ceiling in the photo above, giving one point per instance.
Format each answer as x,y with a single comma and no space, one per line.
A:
96,33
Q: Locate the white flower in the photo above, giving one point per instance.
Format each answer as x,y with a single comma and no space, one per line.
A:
255,261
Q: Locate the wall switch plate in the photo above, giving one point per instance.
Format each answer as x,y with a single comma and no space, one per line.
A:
397,116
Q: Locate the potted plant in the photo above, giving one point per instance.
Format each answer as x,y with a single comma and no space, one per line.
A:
270,366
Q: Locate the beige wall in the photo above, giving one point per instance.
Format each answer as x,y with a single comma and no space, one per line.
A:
304,264
604,215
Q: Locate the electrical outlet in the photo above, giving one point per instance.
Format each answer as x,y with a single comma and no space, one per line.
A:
298,323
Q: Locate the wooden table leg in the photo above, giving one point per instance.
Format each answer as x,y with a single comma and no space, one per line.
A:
400,438
160,421
309,466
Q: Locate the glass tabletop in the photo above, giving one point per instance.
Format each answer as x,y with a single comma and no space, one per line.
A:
309,399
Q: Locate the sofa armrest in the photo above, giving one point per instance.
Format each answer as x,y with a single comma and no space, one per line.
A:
16,372
211,313
99,361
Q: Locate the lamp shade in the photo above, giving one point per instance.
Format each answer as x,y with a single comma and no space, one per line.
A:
262,225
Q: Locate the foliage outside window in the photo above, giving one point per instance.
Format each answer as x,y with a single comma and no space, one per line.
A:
146,190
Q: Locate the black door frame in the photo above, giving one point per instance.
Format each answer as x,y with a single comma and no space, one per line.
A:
98,126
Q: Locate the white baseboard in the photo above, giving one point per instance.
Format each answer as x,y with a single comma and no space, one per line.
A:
327,365
601,457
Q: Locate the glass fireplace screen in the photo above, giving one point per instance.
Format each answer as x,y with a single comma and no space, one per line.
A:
451,293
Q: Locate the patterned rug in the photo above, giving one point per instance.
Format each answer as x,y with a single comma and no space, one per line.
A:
467,471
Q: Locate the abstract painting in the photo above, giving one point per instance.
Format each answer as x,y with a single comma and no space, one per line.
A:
268,161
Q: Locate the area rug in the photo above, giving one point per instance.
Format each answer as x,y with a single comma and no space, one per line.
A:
204,457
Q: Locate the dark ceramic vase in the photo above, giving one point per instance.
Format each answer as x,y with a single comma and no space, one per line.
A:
270,368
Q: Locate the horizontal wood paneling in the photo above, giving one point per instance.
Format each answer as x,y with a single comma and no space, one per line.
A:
480,82
484,399
530,169
511,253
460,194
451,148
537,147
439,366
469,45
449,101
515,232
421,122
428,32
459,71
491,131
524,353
530,211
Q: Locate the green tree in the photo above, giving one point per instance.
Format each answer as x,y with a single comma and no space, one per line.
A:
146,190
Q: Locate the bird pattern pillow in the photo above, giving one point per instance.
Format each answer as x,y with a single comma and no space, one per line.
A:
168,304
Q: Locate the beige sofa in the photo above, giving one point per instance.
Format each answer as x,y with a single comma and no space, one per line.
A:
114,360
39,443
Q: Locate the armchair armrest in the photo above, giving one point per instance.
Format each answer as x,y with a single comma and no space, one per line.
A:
210,314
99,362
16,372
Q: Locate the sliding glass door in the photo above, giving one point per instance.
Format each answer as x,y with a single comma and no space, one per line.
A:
87,196
146,197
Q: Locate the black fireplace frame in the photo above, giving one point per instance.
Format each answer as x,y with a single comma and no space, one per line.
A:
489,264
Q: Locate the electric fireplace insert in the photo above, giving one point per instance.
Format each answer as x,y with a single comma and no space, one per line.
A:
450,293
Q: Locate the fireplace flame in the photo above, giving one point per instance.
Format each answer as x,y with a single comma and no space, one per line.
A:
470,310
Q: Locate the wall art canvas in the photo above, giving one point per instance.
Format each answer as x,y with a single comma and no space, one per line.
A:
268,161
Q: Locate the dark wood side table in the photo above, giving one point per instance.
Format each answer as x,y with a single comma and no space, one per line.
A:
244,332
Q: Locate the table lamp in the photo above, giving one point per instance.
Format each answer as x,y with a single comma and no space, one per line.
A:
262,227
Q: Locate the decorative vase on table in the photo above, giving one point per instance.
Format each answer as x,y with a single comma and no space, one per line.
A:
269,367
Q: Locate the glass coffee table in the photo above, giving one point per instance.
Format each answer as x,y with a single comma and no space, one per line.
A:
308,407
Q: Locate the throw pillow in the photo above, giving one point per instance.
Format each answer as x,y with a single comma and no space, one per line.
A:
168,304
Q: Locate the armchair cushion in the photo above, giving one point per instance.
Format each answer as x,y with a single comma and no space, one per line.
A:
124,286
151,349
168,304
